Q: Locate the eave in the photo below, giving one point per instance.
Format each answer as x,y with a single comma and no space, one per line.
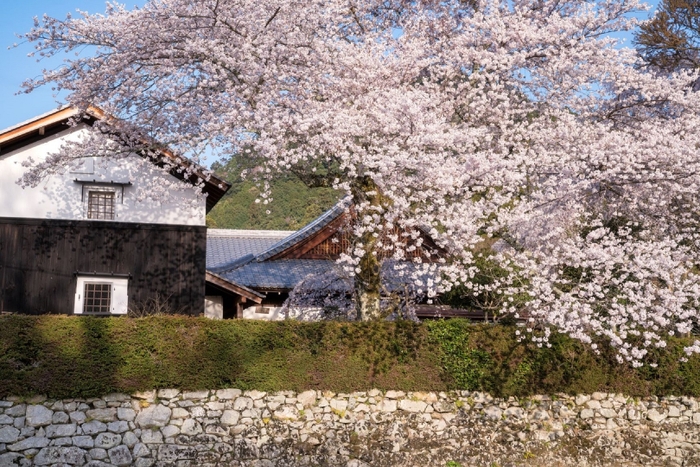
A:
229,286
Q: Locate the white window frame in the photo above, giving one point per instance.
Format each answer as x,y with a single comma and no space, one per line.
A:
105,189
119,294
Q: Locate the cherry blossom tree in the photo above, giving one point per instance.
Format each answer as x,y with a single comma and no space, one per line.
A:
514,120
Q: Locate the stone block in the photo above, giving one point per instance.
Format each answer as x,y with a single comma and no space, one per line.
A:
170,431
168,393
59,418
230,417
174,453
118,427
339,404
9,434
6,420
14,459
102,415
153,416
179,413
307,398
361,408
93,427
130,439
84,442
429,397
387,406
120,456
228,394
656,416
215,406
77,417
195,395
144,462
107,440
493,413
38,415
243,403
141,450
18,410
408,405
57,431
151,437
65,441
126,414
255,395
593,404
148,396
582,399
116,397
191,427
98,453
60,455
34,442
285,413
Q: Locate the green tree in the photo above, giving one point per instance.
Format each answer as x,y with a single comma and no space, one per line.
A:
294,206
670,41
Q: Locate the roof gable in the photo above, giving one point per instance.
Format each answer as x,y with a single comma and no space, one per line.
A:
51,123
324,238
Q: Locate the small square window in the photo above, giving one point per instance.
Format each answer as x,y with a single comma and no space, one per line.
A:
101,205
98,298
101,296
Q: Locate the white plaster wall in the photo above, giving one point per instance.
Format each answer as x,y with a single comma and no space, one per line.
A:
59,197
278,314
273,313
214,307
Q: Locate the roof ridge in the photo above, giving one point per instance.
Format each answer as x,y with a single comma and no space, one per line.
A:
244,233
310,229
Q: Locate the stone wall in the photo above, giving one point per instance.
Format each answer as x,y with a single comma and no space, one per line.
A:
374,428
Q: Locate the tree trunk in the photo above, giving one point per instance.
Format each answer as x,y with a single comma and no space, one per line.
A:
368,281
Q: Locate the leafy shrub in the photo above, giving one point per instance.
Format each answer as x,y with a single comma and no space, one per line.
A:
66,356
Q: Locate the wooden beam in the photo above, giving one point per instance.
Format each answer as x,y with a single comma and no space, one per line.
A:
243,292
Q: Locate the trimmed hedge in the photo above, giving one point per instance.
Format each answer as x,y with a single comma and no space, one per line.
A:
64,357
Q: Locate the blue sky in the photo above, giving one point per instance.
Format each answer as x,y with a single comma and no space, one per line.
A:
17,17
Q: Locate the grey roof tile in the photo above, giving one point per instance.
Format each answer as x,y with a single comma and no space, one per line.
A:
279,274
225,247
288,273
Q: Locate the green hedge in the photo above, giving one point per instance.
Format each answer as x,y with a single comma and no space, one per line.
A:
82,357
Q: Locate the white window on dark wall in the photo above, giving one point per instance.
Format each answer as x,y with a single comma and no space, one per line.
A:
95,295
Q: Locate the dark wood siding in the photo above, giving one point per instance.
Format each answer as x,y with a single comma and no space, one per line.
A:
39,259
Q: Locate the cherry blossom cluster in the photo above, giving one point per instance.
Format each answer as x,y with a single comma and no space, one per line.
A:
514,120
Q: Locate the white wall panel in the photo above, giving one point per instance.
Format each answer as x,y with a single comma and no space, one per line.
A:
59,196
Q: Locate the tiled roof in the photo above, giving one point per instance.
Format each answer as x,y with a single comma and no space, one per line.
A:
312,228
288,273
243,257
279,274
225,247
